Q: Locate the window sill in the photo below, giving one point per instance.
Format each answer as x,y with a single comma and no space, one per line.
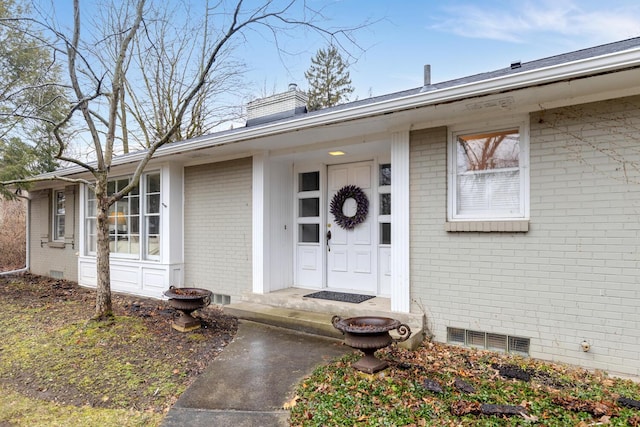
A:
517,226
59,245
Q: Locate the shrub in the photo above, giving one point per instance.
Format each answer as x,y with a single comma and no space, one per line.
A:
13,247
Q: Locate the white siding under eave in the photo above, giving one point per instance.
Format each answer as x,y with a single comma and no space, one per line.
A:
574,275
217,226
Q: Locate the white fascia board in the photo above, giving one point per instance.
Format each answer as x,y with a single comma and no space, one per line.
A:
597,65
565,71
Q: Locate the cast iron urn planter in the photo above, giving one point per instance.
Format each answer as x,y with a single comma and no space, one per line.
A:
369,334
186,301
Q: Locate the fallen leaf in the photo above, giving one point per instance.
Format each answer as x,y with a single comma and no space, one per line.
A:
291,403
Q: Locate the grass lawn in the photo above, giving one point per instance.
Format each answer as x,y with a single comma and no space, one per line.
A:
57,368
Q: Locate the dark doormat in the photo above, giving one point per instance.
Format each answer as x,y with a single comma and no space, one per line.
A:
340,296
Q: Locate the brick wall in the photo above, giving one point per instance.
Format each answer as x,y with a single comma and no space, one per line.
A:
45,256
217,223
574,274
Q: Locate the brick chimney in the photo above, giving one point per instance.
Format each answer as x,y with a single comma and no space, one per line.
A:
275,107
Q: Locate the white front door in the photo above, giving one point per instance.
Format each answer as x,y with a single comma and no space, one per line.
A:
351,258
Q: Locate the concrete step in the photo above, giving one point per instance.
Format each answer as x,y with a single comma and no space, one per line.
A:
318,321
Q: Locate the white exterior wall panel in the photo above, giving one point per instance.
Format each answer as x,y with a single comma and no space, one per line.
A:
574,275
217,224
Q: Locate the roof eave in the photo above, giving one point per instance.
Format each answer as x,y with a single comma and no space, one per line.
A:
555,73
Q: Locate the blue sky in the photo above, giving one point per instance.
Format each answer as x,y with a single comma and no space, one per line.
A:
457,38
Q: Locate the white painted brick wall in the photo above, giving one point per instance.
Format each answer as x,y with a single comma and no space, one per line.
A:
217,218
43,258
278,103
575,274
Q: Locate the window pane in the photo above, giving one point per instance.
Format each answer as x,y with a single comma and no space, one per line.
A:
385,174
91,207
153,224
134,224
153,183
497,192
309,207
385,233
91,242
60,227
134,204
91,226
153,246
60,202
153,203
134,244
309,181
385,204
121,183
309,233
488,151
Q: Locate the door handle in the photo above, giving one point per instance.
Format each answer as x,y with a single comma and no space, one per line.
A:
328,238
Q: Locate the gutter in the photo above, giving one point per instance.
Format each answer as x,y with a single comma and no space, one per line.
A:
28,245
560,72
598,65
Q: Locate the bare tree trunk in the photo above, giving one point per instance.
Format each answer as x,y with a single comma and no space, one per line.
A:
123,123
103,289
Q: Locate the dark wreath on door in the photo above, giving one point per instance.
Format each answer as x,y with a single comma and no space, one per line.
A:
337,204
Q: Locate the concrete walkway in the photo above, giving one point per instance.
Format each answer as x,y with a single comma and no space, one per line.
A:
250,381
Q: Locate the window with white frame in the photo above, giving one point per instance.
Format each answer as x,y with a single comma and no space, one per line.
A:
308,196
488,174
384,194
127,239
152,216
58,215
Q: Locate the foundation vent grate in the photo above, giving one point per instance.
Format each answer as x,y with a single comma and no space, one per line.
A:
56,274
488,341
220,299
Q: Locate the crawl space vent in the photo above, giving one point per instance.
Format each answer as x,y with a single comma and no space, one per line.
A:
56,274
220,299
488,341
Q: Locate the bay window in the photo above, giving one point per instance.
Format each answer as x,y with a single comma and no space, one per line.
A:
134,220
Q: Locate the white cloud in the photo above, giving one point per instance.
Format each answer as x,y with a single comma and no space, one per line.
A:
597,22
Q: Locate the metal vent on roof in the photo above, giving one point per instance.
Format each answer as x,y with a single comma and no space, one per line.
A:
488,341
516,64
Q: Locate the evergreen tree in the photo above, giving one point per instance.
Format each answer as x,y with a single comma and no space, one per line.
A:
329,81
29,88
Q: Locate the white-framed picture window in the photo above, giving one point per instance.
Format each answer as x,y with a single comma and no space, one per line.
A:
58,215
488,173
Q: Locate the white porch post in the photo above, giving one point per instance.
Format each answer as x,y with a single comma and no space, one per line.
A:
260,218
400,265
